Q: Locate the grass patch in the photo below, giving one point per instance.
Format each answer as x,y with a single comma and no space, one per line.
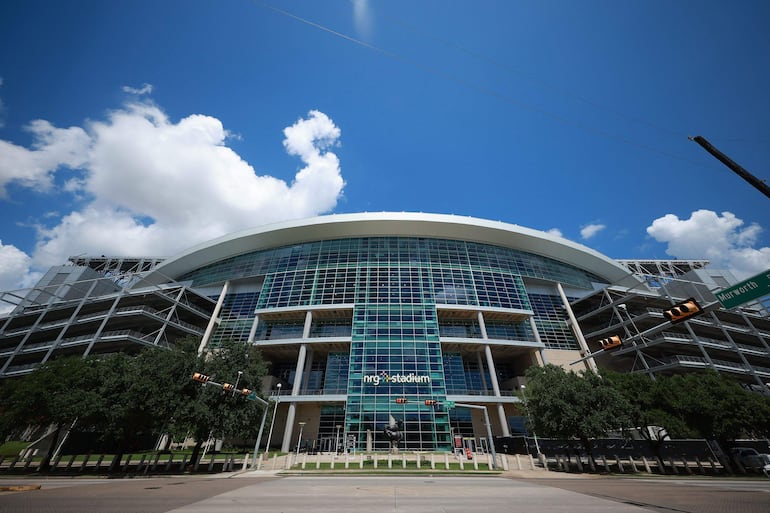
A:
12,448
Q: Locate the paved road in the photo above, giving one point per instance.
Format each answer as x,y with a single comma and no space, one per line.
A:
386,494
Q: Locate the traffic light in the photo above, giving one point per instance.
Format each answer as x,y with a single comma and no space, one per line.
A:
401,400
682,311
200,378
245,391
430,402
611,342
228,387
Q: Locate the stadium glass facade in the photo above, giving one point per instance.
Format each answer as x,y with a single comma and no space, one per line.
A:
366,317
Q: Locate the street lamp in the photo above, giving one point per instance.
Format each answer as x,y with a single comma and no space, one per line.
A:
240,373
301,427
524,396
272,421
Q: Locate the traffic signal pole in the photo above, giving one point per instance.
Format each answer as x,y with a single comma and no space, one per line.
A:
758,184
247,394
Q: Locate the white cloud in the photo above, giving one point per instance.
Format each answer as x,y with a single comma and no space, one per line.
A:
362,18
152,186
14,263
590,230
52,148
556,232
145,89
721,239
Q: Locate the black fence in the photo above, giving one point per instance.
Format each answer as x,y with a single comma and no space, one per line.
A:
136,464
617,454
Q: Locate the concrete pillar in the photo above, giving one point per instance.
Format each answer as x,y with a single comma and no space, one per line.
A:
253,330
214,319
542,360
589,363
493,377
298,374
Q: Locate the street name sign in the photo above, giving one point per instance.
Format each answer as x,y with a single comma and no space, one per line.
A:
745,291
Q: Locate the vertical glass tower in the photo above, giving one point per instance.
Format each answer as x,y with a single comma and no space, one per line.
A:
369,319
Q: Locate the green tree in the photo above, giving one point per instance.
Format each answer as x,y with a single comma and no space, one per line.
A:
574,405
699,405
212,412
60,393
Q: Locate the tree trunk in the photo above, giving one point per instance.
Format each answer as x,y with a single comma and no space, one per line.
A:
45,464
589,450
115,464
196,451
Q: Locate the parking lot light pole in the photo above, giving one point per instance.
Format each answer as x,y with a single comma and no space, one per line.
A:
299,441
272,421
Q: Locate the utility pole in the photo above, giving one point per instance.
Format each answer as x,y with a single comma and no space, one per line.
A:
758,184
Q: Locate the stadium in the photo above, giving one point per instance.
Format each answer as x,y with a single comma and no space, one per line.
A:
366,318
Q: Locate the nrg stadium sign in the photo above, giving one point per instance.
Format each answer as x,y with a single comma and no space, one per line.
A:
376,379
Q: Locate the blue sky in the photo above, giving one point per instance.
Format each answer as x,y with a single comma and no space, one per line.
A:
145,127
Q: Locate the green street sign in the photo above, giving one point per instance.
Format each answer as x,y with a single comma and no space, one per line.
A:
745,291
252,396
449,404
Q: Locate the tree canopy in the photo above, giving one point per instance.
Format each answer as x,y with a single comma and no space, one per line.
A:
120,397
565,405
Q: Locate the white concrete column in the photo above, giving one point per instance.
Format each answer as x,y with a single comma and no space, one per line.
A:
214,318
308,370
533,324
253,330
589,363
298,374
480,362
493,376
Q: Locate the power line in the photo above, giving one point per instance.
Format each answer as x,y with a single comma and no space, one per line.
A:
483,90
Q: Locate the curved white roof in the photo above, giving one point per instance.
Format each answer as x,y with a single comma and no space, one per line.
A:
383,224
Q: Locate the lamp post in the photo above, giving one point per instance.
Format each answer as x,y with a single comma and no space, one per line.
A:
272,421
526,407
299,441
240,373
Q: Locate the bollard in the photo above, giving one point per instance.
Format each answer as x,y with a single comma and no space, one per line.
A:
183,463
446,461
673,465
